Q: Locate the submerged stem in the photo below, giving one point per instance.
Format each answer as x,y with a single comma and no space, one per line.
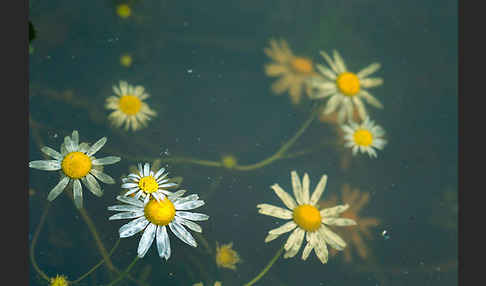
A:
264,271
34,241
124,273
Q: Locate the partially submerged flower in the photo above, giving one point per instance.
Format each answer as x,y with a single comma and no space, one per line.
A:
77,164
306,219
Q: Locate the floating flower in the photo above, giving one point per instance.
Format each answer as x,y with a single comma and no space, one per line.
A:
345,89
154,216
129,106
357,200
217,283
226,257
77,163
364,137
147,184
307,219
292,70
59,280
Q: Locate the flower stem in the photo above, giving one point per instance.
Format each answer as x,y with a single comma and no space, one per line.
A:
124,273
97,265
269,265
34,241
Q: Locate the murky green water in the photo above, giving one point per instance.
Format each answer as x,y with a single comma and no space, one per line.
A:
203,65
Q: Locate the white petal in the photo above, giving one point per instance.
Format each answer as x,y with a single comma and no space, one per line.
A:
338,221
191,225
102,176
78,194
297,187
163,243
159,172
96,146
321,186
370,99
182,233
332,103
52,153
83,147
106,160
192,216
274,211
46,165
368,70
271,237
125,208
329,61
299,237
133,227
130,200
58,189
189,205
92,185
284,196
320,247
371,82
129,185
308,247
334,211
284,228
305,188
146,169
334,240
146,240
326,72
360,106
339,62
69,144
126,215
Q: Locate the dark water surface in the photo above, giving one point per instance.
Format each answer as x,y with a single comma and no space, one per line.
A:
202,62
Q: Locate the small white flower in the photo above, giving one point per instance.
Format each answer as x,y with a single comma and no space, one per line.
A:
146,184
345,89
129,106
77,164
364,137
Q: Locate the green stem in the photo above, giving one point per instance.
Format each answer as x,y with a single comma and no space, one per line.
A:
280,153
97,265
269,265
34,241
124,273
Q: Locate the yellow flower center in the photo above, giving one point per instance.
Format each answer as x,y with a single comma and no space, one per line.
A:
348,83
76,165
59,280
302,65
225,256
307,217
229,161
130,104
160,213
363,137
148,184
126,60
124,11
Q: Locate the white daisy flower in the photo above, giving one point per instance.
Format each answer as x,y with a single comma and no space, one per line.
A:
345,89
146,184
306,219
77,164
364,137
129,106
154,216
